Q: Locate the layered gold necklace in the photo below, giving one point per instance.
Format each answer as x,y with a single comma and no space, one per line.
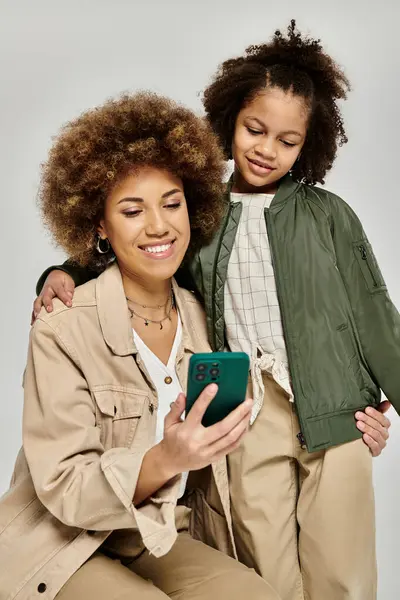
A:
169,305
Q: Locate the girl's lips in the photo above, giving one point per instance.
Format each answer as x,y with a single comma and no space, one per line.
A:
259,169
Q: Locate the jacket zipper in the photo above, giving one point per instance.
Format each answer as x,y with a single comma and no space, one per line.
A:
282,305
301,439
214,278
364,256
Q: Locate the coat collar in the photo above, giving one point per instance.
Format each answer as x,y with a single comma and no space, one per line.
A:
287,187
114,315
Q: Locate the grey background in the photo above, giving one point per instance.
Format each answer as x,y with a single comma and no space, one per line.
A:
59,58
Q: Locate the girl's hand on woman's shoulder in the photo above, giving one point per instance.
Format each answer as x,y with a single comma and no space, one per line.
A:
57,285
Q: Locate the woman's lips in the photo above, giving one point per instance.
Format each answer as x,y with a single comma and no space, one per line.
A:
158,251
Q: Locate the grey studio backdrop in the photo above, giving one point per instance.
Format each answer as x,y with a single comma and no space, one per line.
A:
59,58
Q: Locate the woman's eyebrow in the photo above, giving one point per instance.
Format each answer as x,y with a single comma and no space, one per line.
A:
138,199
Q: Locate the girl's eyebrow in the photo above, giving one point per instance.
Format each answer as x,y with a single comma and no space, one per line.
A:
257,120
134,199
291,132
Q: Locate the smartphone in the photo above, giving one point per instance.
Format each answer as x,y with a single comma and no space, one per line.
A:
229,370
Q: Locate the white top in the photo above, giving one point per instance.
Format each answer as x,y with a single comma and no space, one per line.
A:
252,314
166,382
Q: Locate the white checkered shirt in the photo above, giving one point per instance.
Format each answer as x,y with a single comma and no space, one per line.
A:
252,315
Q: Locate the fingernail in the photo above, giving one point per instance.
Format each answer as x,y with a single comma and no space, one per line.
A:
69,303
212,388
49,308
369,410
361,425
35,314
359,415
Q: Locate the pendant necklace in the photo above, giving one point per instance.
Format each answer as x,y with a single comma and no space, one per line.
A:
153,321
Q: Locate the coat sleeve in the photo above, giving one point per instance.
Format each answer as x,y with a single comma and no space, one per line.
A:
376,317
76,479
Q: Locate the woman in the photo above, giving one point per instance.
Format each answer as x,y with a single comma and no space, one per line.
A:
92,510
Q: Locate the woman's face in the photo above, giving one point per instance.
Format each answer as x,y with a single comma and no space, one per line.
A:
147,223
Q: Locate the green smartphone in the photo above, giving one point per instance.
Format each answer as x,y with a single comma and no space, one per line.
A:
229,370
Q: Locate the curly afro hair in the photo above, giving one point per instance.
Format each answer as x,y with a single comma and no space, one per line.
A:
101,146
295,64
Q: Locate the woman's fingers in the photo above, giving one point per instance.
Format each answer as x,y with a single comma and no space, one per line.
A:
221,429
198,409
231,439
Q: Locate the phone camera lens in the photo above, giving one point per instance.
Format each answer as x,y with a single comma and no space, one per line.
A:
200,376
201,367
214,372
214,365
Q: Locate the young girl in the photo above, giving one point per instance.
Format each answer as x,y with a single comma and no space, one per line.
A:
291,279
295,279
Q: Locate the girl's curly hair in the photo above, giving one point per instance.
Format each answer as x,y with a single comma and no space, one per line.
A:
296,64
95,150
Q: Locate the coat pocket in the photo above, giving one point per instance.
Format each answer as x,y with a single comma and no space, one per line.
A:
206,524
369,266
118,412
354,366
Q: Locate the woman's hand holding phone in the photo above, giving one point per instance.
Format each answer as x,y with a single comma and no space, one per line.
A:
188,445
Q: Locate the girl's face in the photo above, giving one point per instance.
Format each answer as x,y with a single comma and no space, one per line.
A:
147,223
269,134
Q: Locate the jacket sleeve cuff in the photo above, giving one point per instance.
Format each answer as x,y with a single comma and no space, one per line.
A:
155,518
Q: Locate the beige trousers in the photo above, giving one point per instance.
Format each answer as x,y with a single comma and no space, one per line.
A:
190,571
305,522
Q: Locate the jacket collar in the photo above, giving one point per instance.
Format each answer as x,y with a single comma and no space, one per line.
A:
114,315
287,187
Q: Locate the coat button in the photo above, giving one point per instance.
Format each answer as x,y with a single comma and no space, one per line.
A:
42,587
168,380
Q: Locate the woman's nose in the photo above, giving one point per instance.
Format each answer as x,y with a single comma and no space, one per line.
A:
156,224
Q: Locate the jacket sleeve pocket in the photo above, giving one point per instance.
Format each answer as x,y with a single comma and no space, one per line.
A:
369,266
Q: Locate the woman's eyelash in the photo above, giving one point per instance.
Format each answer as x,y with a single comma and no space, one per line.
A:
132,213
135,213
289,144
